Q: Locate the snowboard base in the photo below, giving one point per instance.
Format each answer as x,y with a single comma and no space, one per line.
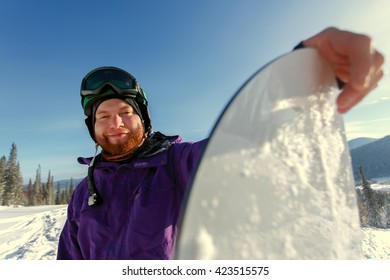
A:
275,180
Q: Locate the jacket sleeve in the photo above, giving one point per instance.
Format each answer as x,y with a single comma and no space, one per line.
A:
186,159
68,247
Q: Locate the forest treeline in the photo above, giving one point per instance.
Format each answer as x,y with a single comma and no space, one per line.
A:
37,192
374,205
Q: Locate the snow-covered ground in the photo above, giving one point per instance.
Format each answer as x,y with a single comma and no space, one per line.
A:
376,243
31,233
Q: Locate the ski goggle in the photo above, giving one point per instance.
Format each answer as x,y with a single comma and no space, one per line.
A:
94,84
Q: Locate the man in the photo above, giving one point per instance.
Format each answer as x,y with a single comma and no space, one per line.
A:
128,206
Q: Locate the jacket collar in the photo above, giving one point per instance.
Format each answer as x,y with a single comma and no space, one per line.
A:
145,155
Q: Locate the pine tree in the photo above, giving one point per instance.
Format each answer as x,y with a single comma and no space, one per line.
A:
58,194
19,198
44,194
3,166
38,187
50,188
30,194
65,194
70,191
372,208
13,180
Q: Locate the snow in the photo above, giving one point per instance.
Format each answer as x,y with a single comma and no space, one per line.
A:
376,243
31,233
382,186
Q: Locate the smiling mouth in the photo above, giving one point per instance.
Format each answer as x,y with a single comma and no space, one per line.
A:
117,135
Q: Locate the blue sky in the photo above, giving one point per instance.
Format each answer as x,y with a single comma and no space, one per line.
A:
189,56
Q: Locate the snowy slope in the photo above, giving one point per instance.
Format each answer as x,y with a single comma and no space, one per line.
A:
31,233
376,243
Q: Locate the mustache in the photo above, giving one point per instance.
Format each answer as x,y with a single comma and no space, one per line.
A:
116,131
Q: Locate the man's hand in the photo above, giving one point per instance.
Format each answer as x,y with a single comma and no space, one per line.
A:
354,61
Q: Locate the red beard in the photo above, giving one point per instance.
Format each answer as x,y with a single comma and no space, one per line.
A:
133,142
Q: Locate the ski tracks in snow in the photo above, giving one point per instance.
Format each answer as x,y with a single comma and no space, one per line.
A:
376,243
30,235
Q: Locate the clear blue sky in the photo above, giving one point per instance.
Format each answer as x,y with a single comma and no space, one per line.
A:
189,56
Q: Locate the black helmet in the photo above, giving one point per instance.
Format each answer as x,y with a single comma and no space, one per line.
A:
108,82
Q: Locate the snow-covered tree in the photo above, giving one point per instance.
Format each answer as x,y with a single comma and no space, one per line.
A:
38,187
30,194
372,205
13,181
19,198
57,199
49,190
3,166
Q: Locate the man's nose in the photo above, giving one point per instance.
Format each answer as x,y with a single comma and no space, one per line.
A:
116,121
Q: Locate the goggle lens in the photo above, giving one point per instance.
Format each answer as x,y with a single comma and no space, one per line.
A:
119,79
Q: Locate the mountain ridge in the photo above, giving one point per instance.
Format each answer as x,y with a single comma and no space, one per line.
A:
374,157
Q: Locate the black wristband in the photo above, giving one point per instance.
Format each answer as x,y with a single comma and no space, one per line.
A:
299,46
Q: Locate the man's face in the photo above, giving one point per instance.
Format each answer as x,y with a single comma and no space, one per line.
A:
118,128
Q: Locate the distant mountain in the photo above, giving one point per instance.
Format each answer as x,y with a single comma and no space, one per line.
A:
374,157
358,142
64,183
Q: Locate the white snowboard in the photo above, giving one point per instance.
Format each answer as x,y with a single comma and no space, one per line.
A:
275,180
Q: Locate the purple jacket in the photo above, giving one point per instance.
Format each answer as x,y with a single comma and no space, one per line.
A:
141,204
